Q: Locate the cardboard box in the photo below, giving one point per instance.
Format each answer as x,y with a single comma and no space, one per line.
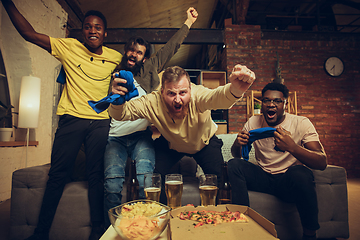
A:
258,227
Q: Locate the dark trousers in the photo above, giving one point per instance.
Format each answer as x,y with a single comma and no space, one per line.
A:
209,158
296,185
72,132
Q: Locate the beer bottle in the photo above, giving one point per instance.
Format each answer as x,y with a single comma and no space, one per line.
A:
225,187
132,188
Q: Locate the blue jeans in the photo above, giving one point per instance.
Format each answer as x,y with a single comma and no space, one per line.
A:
138,146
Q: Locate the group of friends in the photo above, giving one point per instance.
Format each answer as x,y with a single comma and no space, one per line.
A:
180,110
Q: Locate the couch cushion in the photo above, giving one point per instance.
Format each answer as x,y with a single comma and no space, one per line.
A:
28,187
332,201
72,218
228,140
284,215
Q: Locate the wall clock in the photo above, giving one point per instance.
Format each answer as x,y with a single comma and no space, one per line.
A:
334,66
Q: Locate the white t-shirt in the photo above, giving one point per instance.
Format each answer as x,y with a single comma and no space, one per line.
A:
272,161
122,128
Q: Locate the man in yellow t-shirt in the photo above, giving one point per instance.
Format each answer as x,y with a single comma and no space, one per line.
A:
88,67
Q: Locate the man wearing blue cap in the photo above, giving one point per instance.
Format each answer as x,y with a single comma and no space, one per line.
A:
286,146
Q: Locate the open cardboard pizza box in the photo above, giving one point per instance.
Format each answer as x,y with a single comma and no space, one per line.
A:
258,227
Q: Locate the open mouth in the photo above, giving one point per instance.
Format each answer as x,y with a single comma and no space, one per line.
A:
93,38
178,107
131,61
271,114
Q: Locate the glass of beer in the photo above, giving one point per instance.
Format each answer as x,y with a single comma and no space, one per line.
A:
173,189
152,186
208,189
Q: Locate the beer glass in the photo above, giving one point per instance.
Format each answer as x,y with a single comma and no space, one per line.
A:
208,189
152,186
173,189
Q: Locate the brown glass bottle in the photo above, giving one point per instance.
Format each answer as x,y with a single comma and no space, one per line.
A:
132,187
224,196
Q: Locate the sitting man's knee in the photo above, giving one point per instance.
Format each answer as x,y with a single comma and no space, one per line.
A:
301,175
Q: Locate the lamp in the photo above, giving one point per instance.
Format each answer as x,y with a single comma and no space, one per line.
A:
29,105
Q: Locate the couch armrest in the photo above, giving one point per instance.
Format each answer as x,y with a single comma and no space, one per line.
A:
331,188
72,218
28,186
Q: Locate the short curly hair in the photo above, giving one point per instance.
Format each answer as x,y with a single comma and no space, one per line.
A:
97,14
276,87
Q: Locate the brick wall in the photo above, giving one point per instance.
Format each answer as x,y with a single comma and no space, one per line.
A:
331,103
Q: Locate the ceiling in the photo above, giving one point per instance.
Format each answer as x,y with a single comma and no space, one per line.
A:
337,16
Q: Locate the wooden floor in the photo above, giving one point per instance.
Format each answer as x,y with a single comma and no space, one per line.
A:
354,212
354,208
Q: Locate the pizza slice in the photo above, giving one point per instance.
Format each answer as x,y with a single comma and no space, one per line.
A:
213,217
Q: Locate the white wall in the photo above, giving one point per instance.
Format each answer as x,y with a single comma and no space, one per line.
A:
22,59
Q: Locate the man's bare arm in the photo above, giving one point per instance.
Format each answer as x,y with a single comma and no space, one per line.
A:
312,154
24,28
241,139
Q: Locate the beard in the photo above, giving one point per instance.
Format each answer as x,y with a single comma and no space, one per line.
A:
124,65
178,115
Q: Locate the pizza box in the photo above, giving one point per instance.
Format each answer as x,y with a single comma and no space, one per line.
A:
258,227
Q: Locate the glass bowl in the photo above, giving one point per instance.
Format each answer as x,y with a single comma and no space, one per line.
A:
139,224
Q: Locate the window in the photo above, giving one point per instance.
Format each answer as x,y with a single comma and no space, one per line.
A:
5,105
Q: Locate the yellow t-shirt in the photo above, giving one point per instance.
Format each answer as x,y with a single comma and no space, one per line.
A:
88,76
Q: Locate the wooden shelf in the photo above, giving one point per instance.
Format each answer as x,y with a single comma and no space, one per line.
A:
214,79
255,96
18,143
222,127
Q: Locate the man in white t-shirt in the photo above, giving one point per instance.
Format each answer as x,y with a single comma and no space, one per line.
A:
134,138
283,161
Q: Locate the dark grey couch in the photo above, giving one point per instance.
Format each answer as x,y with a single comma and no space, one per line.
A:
72,219
332,197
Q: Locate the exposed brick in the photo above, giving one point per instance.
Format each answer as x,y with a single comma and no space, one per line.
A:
332,104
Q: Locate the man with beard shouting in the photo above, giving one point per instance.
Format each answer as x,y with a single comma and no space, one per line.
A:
181,111
283,160
134,138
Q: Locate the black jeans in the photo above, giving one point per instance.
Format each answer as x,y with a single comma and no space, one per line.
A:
72,132
296,185
209,158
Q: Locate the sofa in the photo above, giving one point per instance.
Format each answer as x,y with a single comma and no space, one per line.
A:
72,219
331,189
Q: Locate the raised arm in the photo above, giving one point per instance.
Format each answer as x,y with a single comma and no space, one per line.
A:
241,79
191,16
24,28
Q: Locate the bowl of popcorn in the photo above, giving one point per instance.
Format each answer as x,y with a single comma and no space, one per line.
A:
140,219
